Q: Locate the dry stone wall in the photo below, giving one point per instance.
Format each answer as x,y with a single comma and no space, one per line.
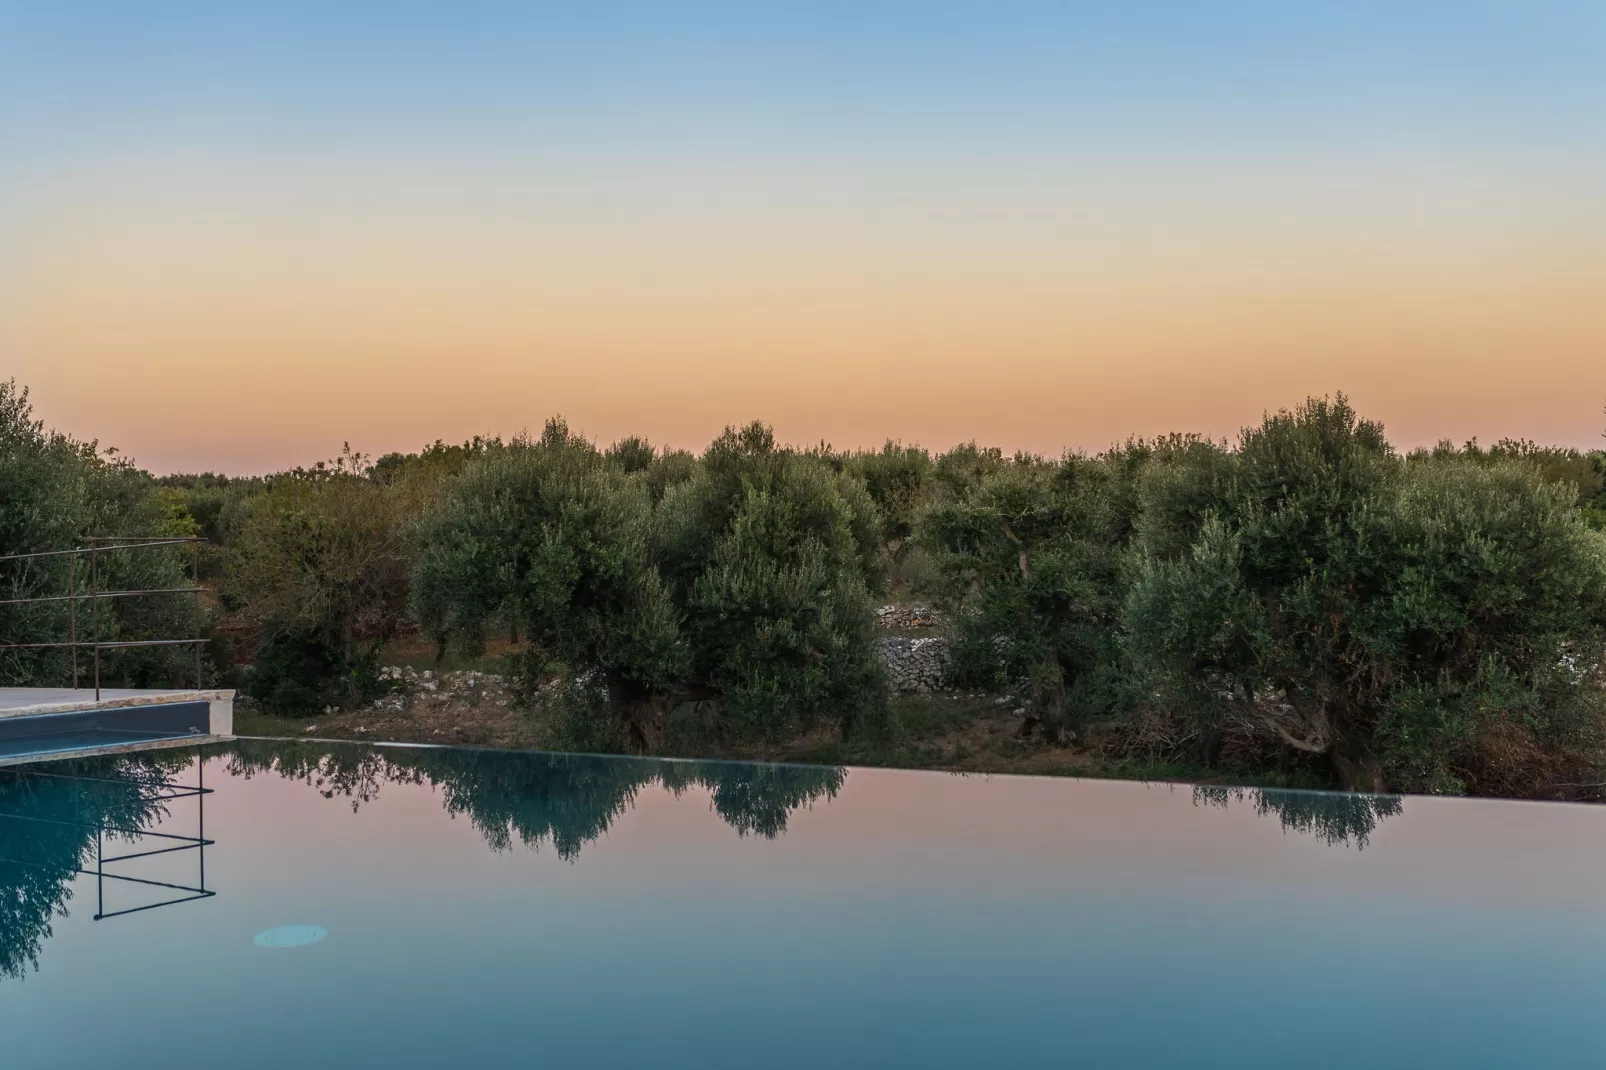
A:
898,618
915,664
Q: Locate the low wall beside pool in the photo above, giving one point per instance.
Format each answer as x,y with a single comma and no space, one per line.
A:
40,723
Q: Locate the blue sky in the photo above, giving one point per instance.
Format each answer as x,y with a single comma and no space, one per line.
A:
1236,70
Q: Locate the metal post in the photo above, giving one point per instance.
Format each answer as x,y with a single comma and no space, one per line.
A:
72,612
100,874
195,574
200,812
94,606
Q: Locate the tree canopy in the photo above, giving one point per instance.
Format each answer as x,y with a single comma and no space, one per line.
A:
1304,602
1394,617
55,494
743,583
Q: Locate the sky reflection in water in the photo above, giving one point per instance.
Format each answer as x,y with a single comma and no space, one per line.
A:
487,908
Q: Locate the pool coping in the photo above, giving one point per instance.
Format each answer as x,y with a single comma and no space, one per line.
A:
118,698
114,749
22,706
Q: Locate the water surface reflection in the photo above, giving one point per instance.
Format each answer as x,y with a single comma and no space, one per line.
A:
1337,819
712,915
54,820
566,800
50,813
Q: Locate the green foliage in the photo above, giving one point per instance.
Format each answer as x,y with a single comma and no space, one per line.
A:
742,582
319,567
771,556
296,672
669,469
632,454
433,462
1383,615
1305,601
549,535
1584,471
899,480
1032,555
956,471
583,719
1179,483
55,493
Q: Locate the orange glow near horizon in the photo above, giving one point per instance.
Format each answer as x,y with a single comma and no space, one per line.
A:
244,322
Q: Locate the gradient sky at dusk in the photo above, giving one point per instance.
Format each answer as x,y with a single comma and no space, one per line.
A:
234,236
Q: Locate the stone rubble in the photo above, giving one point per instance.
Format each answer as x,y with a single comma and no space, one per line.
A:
898,617
919,665
915,664
412,687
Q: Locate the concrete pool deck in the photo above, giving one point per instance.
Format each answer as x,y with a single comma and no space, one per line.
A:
44,723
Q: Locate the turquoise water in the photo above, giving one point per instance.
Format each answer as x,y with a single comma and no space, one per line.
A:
422,907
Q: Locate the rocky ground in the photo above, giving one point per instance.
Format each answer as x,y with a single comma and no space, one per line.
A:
466,707
915,650
942,727
959,731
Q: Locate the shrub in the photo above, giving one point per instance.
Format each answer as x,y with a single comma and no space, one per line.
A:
1379,615
1032,556
744,585
772,556
318,572
55,493
898,479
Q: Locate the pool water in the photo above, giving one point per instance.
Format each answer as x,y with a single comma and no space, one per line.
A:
366,906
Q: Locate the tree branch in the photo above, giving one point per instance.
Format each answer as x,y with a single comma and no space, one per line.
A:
1294,741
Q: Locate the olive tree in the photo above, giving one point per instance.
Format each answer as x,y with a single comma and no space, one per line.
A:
1031,555
55,493
899,480
741,583
772,556
318,572
549,535
1382,616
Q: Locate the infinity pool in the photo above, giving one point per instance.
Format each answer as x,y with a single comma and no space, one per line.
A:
361,906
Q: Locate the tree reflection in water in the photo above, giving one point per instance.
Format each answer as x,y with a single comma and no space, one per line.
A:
566,800
49,819
48,827
1335,818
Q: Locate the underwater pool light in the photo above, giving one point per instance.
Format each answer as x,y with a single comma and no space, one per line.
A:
291,936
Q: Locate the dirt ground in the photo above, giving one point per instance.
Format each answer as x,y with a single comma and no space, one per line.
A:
459,703
476,712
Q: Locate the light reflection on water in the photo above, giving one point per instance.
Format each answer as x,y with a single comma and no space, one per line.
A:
486,908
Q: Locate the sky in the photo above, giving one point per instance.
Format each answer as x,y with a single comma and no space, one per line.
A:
236,236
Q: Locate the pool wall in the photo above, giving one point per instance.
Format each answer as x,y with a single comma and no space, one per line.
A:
42,723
